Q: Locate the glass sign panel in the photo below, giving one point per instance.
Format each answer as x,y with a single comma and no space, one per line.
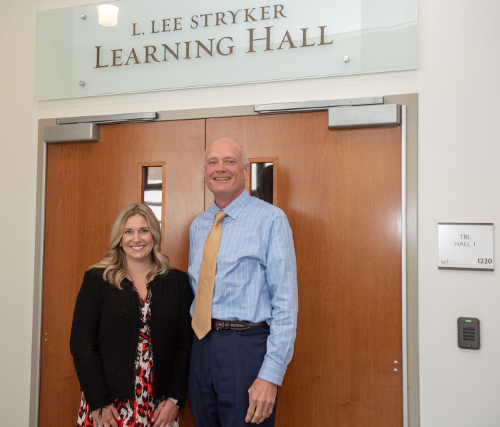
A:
133,45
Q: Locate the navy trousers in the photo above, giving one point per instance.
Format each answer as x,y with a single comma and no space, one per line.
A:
224,364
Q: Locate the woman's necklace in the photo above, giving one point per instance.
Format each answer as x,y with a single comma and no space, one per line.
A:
132,279
135,286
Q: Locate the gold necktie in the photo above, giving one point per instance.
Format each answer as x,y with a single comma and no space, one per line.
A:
202,314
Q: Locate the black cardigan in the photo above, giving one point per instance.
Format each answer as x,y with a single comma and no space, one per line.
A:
105,333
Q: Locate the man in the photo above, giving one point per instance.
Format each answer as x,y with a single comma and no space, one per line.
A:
240,356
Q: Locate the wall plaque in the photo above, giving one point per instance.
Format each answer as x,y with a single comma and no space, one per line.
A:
465,246
137,45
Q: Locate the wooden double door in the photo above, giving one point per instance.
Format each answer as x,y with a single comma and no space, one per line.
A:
341,191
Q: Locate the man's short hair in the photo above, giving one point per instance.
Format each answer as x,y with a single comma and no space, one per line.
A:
244,157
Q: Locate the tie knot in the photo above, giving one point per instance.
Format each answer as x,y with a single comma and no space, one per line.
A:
219,216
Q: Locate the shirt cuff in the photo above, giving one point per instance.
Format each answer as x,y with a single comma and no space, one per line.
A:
272,372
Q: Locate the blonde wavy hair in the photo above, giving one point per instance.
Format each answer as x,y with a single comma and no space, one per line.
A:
115,260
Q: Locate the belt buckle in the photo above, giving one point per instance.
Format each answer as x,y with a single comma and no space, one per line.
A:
222,325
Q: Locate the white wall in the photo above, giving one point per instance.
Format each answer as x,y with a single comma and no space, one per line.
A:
458,84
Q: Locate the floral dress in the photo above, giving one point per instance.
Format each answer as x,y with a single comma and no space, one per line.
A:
139,411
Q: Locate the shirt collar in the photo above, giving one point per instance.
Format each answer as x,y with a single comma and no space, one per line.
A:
235,207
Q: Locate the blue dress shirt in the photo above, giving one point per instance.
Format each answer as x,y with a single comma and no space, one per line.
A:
256,275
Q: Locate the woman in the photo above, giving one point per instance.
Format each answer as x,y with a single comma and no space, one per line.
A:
131,333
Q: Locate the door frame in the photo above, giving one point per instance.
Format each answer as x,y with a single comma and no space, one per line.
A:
409,199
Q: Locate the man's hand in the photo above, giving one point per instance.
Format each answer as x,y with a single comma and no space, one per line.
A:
262,396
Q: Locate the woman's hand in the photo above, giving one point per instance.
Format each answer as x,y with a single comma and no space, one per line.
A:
106,418
165,414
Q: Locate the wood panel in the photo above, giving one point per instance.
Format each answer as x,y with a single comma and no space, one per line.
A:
87,186
341,191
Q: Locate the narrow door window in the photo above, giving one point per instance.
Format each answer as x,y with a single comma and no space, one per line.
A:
262,181
152,187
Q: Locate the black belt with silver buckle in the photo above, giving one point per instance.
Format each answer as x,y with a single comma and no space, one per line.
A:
236,325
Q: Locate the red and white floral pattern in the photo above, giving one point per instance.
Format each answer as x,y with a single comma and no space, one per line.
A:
139,411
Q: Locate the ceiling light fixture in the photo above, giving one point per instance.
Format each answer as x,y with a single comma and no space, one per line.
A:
108,15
